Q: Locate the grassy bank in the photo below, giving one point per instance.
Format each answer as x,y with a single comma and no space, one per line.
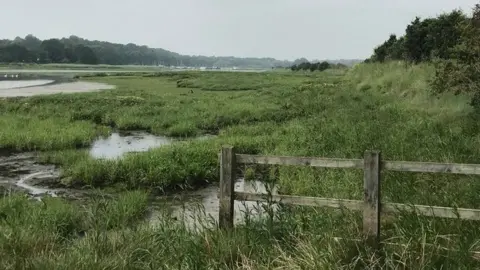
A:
386,107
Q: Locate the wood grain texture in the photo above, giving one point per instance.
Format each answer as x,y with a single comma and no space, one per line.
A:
300,161
226,193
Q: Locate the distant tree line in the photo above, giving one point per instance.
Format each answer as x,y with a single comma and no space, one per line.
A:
78,50
320,66
451,41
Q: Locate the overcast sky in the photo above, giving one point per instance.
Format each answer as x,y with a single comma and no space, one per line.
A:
283,29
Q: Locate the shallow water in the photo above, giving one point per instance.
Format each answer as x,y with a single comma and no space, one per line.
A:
116,145
13,84
21,172
200,207
192,207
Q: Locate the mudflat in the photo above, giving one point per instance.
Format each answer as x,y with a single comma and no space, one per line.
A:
71,87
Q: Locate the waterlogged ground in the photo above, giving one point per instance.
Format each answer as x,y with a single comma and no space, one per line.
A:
21,172
18,170
201,206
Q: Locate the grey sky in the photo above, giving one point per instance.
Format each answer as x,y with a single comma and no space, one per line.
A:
272,28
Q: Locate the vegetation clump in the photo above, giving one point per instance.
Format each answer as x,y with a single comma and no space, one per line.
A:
450,41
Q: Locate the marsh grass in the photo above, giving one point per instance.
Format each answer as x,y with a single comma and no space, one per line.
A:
108,233
386,107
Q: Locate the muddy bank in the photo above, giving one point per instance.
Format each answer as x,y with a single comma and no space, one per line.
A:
54,88
10,84
20,172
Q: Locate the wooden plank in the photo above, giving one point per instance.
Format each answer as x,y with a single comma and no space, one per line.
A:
356,205
371,186
300,161
432,167
433,211
227,178
300,200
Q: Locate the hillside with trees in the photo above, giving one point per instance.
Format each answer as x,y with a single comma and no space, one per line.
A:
78,50
450,41
74,49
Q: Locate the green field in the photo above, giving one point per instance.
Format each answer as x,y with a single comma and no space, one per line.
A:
335,113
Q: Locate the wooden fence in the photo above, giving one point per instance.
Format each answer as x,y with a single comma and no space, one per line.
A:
371,205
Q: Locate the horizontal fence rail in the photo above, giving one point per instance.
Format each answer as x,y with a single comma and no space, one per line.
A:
300,161
401,166
432,167
371,205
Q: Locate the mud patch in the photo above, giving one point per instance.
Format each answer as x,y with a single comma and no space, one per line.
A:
21,173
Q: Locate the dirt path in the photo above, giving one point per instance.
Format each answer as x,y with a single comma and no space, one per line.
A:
71,87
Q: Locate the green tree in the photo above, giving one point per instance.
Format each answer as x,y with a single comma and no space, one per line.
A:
15,53
85,55
62,50
54,49
324,66
461,73
70,54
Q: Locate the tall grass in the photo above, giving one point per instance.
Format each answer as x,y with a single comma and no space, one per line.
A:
35,231
387,107
109,234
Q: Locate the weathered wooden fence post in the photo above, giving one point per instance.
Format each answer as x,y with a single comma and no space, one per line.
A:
371,211
227,179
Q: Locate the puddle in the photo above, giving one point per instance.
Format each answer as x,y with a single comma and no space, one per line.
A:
117,144
201,206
